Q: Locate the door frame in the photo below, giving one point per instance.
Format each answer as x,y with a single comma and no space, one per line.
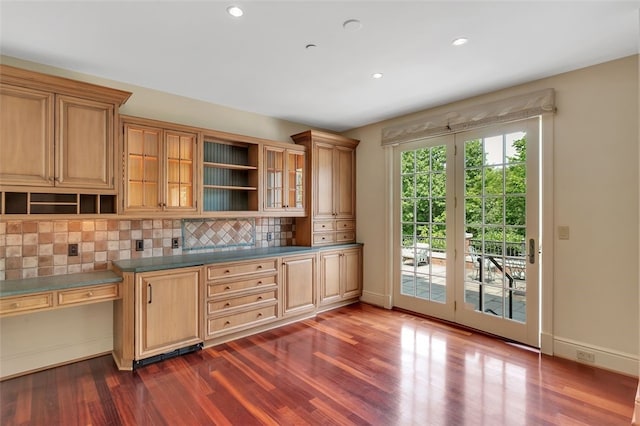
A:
546,244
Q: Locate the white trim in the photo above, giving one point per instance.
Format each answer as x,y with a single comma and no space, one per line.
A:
473,117
377,299
605,358
547,242
389,218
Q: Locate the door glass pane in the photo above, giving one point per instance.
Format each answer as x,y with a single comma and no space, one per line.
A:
495,225
423,212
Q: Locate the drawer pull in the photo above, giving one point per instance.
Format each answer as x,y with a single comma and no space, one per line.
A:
227,271
90,294
226,305
324,226
259,266
259,282
15,305
227,288
227,323
323,238
259,297
259,314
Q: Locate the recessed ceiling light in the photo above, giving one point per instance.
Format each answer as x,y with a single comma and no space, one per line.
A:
376,75
235,11
352,25
460,41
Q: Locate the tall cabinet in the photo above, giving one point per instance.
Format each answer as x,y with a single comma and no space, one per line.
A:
331,192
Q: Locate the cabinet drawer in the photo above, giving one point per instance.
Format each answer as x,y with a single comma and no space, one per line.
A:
324,238
229,287
229,322
344,225
34,302
87,295
345,236
324,225
238,269
221,305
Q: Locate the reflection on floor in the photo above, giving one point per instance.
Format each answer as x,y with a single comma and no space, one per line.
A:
495,303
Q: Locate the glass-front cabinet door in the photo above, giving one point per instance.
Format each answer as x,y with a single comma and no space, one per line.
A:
284,175
180,171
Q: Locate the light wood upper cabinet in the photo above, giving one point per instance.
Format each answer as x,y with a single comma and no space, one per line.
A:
284,180
26,133
85,148
160,169
167,315
56,131
330,189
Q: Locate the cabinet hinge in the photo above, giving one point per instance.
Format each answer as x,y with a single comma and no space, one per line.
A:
455,305
455,150
455,202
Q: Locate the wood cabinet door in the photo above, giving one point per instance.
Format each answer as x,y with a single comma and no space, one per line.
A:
324,173
167,316
330,277
351,277
274,179
26,136
344,178
298,284
84,144
143,148
180,173
296,175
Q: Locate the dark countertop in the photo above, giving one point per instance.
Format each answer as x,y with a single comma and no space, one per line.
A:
186,260
56,282
62,282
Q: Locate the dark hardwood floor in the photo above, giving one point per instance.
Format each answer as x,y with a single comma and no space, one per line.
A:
354,365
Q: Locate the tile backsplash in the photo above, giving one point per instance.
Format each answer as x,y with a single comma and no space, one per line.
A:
33,248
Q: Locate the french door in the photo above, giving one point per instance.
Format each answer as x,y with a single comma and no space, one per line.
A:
468,229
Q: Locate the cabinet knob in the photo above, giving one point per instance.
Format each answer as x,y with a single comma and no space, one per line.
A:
15,305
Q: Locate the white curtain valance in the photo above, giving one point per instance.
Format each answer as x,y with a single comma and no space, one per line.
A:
514,108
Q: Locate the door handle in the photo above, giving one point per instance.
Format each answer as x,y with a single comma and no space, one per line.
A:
532,251
150,293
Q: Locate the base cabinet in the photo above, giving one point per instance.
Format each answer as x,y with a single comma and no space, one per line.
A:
167,315
298,284
340,276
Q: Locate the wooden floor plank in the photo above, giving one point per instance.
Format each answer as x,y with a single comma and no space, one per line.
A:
354,365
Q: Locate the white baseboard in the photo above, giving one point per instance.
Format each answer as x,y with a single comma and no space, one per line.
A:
605,358
42,357
546,343
376,299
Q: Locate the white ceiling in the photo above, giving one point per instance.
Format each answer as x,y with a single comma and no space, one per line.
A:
259,62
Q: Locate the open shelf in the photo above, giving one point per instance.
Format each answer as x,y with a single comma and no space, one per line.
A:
230,176
36,203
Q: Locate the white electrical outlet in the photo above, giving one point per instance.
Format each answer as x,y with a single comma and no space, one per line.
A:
585,356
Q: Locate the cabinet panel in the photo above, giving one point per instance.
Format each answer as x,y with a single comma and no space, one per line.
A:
88,295
167,315
324,175
352,261
230,287
329,277
242,320
26,136
180,170
30,303
142,145
239,269
298,285
229,303
84,148
284,180
345,183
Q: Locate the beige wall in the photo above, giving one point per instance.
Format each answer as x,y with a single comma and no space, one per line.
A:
595,278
